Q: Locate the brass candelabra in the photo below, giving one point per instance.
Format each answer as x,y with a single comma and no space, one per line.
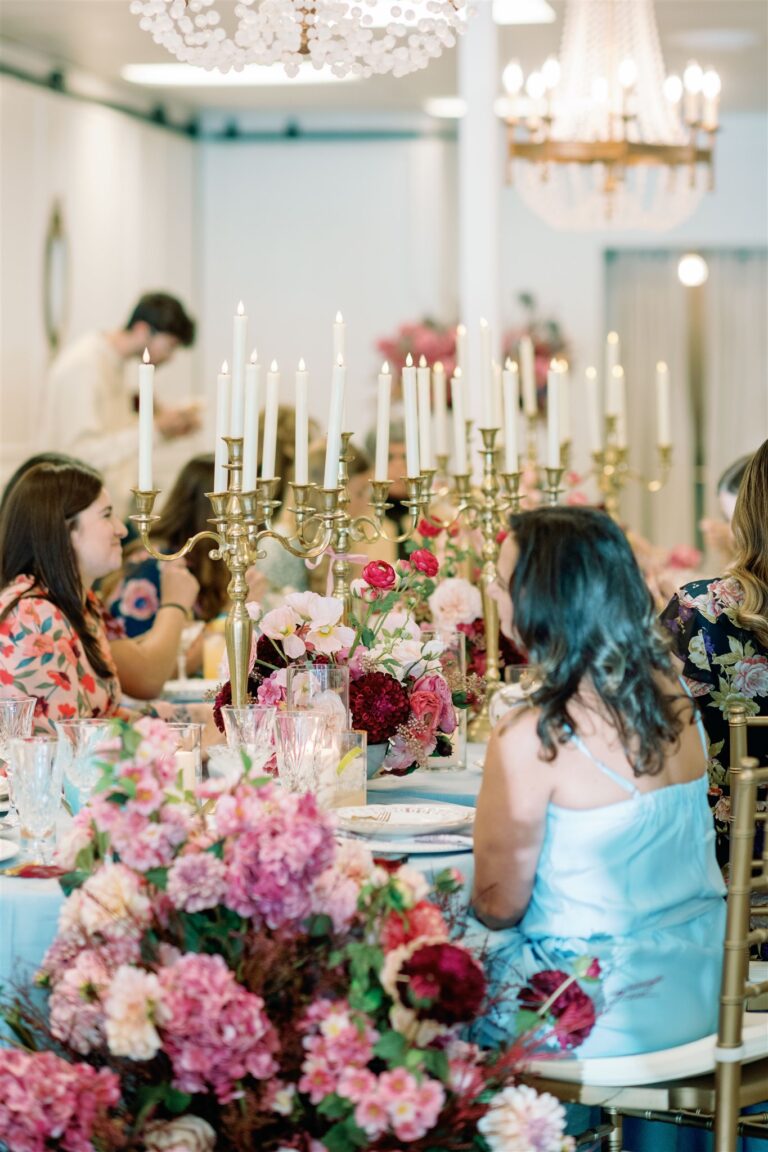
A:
613,471
242,520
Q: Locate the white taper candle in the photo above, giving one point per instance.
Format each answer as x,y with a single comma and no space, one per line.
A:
528,377
381,469
486,376
411,418
553,415
269,447
663,405
240,339
333,446
423,381
223,396
146,421
441,409
594,414
459,425
301,454
510,383
251,428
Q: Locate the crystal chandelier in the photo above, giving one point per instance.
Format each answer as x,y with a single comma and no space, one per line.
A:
602,137
358,38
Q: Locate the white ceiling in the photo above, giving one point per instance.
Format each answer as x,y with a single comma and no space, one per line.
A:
100,36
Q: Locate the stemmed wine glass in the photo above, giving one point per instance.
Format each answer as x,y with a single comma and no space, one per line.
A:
82,744
251,729
37,788
16,719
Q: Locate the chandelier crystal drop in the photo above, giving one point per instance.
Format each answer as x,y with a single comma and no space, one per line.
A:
602,137
358,38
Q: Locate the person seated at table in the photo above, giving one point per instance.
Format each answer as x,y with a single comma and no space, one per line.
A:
58,534
593,835
135,594
144,665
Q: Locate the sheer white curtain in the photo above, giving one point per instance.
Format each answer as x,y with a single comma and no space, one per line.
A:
735,360
647,306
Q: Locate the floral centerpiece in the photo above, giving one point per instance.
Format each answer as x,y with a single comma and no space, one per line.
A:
428,338
398,693
226,977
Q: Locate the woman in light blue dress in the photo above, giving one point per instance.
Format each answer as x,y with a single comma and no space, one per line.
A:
593,834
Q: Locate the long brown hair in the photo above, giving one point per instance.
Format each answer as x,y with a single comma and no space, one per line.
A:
187,511
750,531
37,519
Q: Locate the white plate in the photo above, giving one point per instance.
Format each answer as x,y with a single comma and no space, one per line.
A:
8,849
434,845
189,690
391,821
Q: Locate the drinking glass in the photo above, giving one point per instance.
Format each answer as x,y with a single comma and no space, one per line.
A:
251,729
189,754
16,719
37,790
83,745
453,667
302,740
320,688
345,781
189,634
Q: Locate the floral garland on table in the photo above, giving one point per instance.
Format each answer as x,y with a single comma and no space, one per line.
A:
398,692
226,976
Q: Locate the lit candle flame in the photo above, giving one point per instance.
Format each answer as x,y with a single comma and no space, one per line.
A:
145,357
254,356
241,309
339,318
273,366
385,368
409,361
302,365
422,361
225,369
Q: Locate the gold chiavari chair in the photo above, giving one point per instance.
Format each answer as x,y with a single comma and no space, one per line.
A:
708,1083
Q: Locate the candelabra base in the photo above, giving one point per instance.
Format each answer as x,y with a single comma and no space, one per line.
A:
479,729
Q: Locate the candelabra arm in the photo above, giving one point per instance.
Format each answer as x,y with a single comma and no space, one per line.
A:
302,552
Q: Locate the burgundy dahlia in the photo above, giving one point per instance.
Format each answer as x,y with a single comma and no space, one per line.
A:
442,982
379,704
572,1013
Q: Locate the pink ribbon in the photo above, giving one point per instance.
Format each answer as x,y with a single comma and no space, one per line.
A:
350,557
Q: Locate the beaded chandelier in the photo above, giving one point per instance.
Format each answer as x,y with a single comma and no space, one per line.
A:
357,38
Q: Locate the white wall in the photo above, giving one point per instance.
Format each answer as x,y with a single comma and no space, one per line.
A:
128,196
301,229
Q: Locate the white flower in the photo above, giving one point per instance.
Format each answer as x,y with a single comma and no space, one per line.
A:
110,901
411,884
400,625
131,1008
184,1134
455,601
325,632
281,624
306,605
524,1120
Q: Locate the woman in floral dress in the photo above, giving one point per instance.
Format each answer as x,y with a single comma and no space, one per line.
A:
58,535
719,631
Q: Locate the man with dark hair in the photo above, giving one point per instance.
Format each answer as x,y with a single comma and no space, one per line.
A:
89,409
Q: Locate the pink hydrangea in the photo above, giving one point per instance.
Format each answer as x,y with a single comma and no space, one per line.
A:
44,1099
336,1041
196,881
272,690
140,842
277,844
76,1004
214,1031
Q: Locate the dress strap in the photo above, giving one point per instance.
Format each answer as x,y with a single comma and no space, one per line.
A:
622,782
697,717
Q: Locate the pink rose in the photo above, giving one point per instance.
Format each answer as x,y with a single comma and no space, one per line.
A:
435,683
379,574
426,707
750,676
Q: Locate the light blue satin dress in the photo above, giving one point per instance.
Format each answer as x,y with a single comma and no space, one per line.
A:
637,885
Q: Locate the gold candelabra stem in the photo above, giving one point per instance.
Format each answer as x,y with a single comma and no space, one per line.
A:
242,520
611,467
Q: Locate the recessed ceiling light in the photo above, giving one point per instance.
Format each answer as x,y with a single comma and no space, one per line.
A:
445,107
523,12
253,75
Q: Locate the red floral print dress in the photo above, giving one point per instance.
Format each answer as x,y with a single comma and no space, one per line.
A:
41,656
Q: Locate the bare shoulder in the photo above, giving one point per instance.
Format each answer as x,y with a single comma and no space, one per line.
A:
513,756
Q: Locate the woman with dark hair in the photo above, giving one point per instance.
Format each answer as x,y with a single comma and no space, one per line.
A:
593,834
58,535
719,628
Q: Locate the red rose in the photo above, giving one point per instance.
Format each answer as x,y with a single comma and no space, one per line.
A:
427,707
379,574
430,531
425,562
424,919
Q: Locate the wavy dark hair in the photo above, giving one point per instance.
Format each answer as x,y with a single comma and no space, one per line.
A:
582,609
750,531
38,515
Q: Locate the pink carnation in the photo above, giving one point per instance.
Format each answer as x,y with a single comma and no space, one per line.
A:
214,1031
43,1098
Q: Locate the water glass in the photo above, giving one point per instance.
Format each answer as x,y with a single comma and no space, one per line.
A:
345,781
251,729
83,749
302,739
37,790
16,719
189,752
189,634
320,688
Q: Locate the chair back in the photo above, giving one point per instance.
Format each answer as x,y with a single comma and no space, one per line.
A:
748,878
739,721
